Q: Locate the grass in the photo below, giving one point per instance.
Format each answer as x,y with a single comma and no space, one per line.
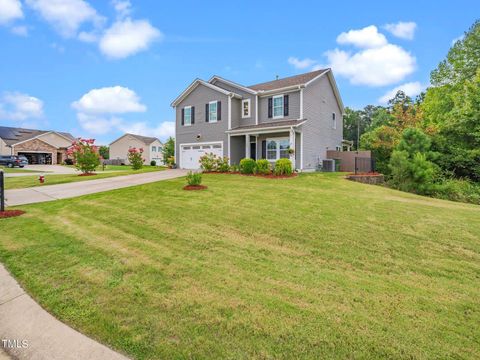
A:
31,181
310,267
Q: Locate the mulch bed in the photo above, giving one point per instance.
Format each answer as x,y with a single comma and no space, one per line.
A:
10,213
195,187
87,174
270,176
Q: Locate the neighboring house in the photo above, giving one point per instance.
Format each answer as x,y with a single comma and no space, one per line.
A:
303,113
152,148
38,146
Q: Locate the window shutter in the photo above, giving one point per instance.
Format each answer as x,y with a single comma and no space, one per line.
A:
207,112
285,105
193,115
183,116
264,149
270,105
219,110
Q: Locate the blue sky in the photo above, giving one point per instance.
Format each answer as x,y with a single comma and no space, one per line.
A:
100,68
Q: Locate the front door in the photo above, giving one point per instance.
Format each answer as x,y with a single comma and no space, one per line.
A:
253,150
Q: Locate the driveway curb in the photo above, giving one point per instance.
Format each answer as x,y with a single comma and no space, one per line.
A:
43,336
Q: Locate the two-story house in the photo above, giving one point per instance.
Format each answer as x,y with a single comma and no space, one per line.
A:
303,113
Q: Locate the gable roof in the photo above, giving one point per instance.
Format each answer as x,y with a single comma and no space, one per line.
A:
232,83
12,135
301,79
194,85
145,139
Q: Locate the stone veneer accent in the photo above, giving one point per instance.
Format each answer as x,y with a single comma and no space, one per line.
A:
36,145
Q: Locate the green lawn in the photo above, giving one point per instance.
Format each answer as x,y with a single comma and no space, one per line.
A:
30,181
310,267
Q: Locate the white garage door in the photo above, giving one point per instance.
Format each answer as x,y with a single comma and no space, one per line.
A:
190,154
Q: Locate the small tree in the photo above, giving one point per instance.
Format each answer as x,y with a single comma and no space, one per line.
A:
168,151
410,167
104,152
135,158
85,155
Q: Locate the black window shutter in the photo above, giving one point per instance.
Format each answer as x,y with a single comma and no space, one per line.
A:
264,149
270,105
219,110
193,114
183,116
285,105
207,112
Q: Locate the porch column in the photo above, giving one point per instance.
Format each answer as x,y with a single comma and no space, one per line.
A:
292,146
247,146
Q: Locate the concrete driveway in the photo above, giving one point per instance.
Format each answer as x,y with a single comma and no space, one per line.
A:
48,169
64,191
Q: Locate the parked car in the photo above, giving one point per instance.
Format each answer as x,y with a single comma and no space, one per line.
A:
12,161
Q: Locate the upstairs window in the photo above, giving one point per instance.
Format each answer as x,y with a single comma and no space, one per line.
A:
154,148
187,116
334,121
245,108
278,106
212,111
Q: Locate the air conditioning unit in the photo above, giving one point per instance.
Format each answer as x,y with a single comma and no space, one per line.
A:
328,165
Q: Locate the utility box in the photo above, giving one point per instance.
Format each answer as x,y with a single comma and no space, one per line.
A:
328,165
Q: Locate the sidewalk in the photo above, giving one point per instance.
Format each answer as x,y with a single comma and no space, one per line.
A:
21,318
64,191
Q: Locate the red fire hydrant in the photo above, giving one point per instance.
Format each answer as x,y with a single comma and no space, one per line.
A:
41,178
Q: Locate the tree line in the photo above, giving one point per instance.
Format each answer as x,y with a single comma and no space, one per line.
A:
430,144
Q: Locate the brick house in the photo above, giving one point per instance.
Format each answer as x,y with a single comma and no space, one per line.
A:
38,146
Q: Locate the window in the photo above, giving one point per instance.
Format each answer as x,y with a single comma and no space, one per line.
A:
154,148
278,106
334,121
187,120
245,108
277,148
212,111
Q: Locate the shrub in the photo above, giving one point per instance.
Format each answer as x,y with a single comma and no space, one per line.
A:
194,178
458,190
222,164
135,158
410,168
234,168
208,162
283,167
68,161
170,161
263,167
247,166
153,163
85,155
168,151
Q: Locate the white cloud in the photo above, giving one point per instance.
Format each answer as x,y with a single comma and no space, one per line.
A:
368,37
410,89
10,10
19,30
122,7
374,67
88,37
111,100
98,124
301,64
128,37
19,106
66,16
403,30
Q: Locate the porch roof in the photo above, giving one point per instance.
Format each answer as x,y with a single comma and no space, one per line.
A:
274,125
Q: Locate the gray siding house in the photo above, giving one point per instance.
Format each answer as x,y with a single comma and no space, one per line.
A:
263,121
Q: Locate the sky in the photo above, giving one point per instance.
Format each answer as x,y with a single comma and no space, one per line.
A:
98,69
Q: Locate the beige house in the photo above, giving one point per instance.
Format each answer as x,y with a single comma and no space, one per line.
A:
152,148
38,146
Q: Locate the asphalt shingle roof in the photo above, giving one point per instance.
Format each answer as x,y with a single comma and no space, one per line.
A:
12,135
288,81
147,140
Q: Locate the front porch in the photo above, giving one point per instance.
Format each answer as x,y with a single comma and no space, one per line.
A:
271,145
